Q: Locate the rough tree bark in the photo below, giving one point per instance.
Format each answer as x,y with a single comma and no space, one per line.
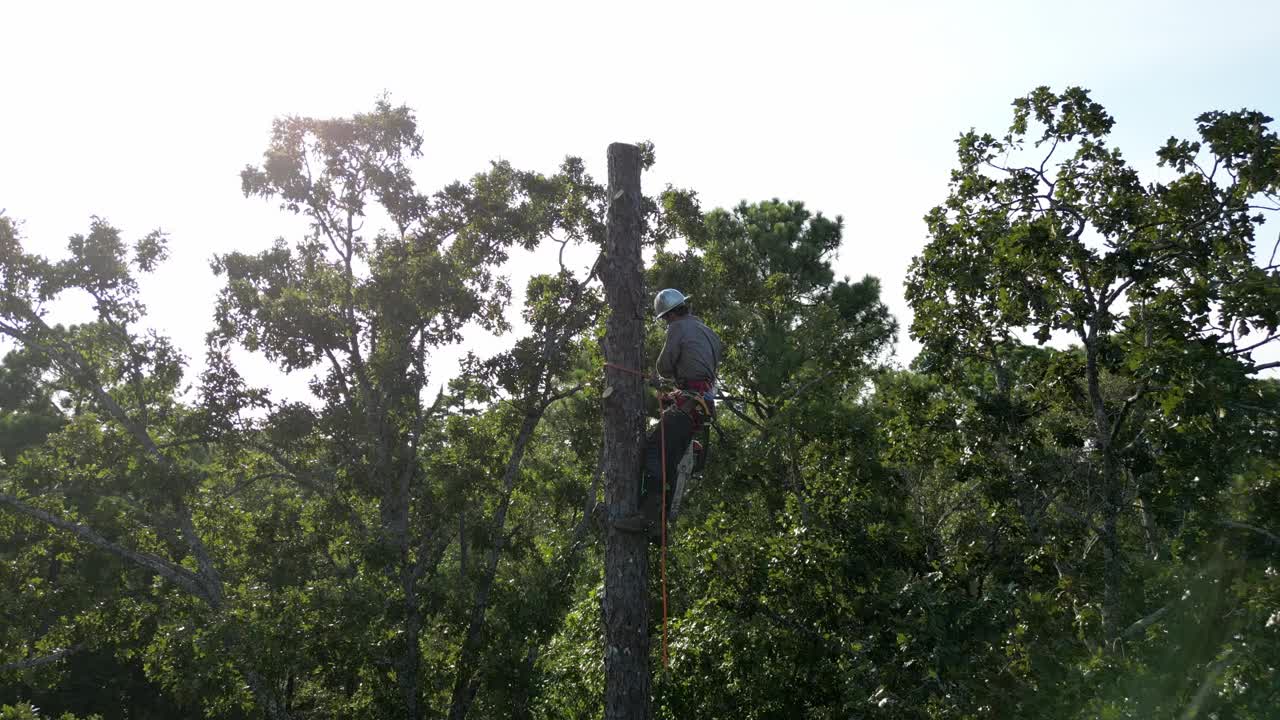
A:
626,600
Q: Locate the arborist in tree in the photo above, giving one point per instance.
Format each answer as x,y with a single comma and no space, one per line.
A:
690,357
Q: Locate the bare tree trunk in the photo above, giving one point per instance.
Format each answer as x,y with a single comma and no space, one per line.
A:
626,600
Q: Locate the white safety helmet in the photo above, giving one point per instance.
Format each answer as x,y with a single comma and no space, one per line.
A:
668,300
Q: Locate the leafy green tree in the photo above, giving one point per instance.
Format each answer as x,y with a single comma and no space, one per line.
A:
1157,282
117,476
1145,435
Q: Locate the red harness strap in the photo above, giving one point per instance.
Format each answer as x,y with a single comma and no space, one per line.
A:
702,387
682,401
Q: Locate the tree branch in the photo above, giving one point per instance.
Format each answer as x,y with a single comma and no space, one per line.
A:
1255,408
742,416
1243,526
1147,621
74,363
1115,294
338,375
34,662
1255,346
552,399
1124,412
176,574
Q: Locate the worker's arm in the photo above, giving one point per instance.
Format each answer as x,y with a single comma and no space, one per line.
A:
670,353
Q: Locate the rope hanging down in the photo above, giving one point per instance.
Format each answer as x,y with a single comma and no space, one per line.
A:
662,434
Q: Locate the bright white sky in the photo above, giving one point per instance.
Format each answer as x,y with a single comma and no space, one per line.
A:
145,114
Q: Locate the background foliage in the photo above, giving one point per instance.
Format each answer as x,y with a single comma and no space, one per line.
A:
1065,508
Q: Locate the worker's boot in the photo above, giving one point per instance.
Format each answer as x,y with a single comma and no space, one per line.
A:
645,519
634,523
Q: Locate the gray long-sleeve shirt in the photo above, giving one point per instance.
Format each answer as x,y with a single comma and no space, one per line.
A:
693,351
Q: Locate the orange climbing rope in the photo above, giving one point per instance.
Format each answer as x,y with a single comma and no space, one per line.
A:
662,434
626,369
